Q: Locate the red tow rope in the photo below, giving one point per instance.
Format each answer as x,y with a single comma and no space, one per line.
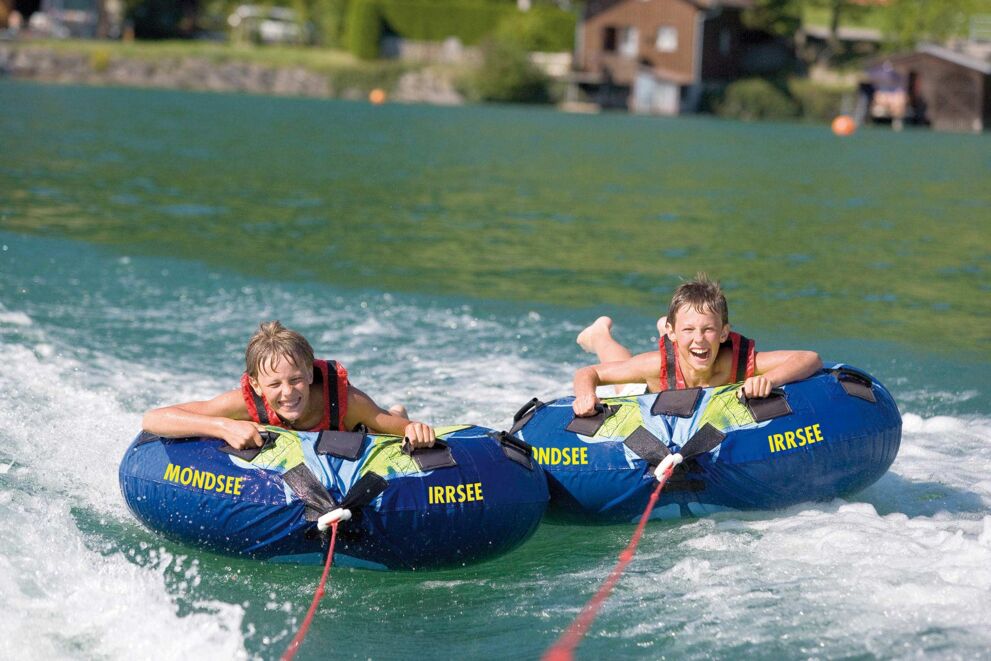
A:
301,634
564,648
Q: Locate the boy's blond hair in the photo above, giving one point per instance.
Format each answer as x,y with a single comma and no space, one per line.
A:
273,341
703,294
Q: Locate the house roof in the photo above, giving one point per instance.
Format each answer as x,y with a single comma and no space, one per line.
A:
962,59
594,7
711,4
943,53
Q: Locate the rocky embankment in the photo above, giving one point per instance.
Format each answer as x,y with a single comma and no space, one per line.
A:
195,73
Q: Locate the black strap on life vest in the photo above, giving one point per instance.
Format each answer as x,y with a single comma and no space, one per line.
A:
333,395
740,371
671,363
260,407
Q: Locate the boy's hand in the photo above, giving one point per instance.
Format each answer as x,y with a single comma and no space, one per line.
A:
757,386
584,405
419,435
242,434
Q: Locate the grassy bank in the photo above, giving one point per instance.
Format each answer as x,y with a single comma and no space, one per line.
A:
316,59
342,70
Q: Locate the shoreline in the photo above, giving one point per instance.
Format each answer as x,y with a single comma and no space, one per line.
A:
225,71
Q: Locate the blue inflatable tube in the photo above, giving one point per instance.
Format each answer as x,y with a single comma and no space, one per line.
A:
830,435
477,495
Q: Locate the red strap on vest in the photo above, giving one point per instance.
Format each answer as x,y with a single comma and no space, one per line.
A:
743,356
335,398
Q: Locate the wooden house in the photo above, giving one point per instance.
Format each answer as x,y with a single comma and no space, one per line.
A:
657,56
947,89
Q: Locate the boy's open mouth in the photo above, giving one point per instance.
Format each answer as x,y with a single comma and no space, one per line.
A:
700,354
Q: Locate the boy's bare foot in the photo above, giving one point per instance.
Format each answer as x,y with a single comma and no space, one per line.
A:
593,335
400,410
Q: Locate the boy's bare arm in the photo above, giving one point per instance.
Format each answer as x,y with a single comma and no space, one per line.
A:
362,409
776,368
225,417
642,368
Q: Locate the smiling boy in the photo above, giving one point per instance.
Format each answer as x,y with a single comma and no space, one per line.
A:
696,349
283,386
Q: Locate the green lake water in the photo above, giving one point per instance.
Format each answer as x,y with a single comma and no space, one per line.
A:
449,256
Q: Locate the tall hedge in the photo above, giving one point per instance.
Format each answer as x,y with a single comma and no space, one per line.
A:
364,29
543,28
434,20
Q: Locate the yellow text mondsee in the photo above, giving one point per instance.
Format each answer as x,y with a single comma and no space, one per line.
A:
205,480
560,456
795,438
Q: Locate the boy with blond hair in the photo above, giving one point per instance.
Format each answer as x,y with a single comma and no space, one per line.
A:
284,386
696,349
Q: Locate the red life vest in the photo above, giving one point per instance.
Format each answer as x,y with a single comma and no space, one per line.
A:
334,378
744,361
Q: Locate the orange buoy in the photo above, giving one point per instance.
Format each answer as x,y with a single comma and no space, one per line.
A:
377,96
844,125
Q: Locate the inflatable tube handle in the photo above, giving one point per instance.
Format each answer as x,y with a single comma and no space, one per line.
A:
775,405
590,425
679,403
855,384
427,459
515,449
146,437
341,444
521,417
249,454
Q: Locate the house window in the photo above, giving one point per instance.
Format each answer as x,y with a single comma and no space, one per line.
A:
667,39
629,42
725,41
609,40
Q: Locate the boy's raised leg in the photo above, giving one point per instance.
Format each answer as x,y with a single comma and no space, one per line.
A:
597,338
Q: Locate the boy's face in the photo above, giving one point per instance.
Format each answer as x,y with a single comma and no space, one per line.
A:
697,336
285,387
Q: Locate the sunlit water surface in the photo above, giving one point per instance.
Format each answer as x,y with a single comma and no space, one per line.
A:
448,257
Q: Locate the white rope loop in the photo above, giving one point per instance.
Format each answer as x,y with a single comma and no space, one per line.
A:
669,462
332,517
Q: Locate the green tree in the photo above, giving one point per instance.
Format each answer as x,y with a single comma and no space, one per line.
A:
163,19
506,75
839,11
908,22
778,17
